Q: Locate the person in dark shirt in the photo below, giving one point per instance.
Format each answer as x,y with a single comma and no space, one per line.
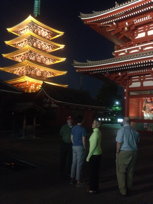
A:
66,148
78,137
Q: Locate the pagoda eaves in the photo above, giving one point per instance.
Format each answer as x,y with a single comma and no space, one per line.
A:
30,53
31,39
32,70
117,64
118,10
28,84
31,24
126,24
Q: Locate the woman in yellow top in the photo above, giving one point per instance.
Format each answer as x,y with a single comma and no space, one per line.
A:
94,157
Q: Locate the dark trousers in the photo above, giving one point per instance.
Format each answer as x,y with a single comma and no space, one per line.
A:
65,159
94,172
125,165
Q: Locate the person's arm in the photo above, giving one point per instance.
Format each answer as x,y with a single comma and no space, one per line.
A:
72,138
119,140
118,146
93,145
84,142
61,131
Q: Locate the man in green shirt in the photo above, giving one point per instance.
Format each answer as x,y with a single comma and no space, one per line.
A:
66,148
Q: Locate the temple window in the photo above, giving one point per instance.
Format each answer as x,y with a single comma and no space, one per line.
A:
140,35
150,32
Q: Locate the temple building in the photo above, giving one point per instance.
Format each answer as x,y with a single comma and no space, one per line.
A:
130,27
33,47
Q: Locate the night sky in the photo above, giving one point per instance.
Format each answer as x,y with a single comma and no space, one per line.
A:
81,42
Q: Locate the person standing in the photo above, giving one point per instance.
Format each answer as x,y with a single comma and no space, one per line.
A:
66,148
78,138
94,157
126,153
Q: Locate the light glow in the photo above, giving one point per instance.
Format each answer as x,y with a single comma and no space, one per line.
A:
32,69
31,24
29,53
119,120
33,55
32,40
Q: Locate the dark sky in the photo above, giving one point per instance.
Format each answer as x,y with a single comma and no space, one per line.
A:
81,42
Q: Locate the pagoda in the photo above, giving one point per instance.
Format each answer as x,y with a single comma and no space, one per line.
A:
33,47
130,27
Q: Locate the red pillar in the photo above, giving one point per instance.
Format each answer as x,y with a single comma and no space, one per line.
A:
126,101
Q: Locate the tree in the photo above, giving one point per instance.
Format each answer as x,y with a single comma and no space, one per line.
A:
109,93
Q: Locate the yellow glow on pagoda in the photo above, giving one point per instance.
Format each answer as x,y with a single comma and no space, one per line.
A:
31,24
31,39
30,69
33,55
30,53
30,85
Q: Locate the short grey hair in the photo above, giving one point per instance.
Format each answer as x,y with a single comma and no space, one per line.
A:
126,120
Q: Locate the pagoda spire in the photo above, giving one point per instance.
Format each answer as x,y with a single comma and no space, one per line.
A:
36,10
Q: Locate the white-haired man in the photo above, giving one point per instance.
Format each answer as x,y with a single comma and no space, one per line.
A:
126,153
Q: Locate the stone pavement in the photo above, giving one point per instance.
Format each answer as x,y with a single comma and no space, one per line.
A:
29,173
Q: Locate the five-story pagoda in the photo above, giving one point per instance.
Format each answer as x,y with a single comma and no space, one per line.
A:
33,44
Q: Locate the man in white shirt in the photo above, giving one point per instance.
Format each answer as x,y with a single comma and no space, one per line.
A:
126,154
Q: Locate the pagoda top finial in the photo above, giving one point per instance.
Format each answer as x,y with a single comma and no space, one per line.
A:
36,10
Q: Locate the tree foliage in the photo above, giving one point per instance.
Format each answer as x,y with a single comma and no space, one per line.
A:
109,93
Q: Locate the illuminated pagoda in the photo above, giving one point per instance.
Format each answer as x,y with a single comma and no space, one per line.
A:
130,27
34,45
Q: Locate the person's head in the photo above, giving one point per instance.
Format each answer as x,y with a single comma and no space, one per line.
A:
69,120
133,124
79,119
126,120
96,124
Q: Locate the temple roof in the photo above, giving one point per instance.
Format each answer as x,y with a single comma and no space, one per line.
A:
119,11
30,19
69,96
28,66
52,59
29,84
29,79
19,39
23,79
116,64
7,88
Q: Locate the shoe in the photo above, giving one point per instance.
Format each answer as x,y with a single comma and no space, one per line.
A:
92,192
72,181
123,194
79,184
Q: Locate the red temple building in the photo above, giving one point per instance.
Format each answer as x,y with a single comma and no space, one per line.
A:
130,27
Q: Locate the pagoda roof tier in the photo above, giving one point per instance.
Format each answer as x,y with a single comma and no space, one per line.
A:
33,25
121,23
36,41
28,84
32,54
118,12
128,62
32,70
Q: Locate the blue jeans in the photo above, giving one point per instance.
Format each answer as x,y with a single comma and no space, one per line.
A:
77,162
